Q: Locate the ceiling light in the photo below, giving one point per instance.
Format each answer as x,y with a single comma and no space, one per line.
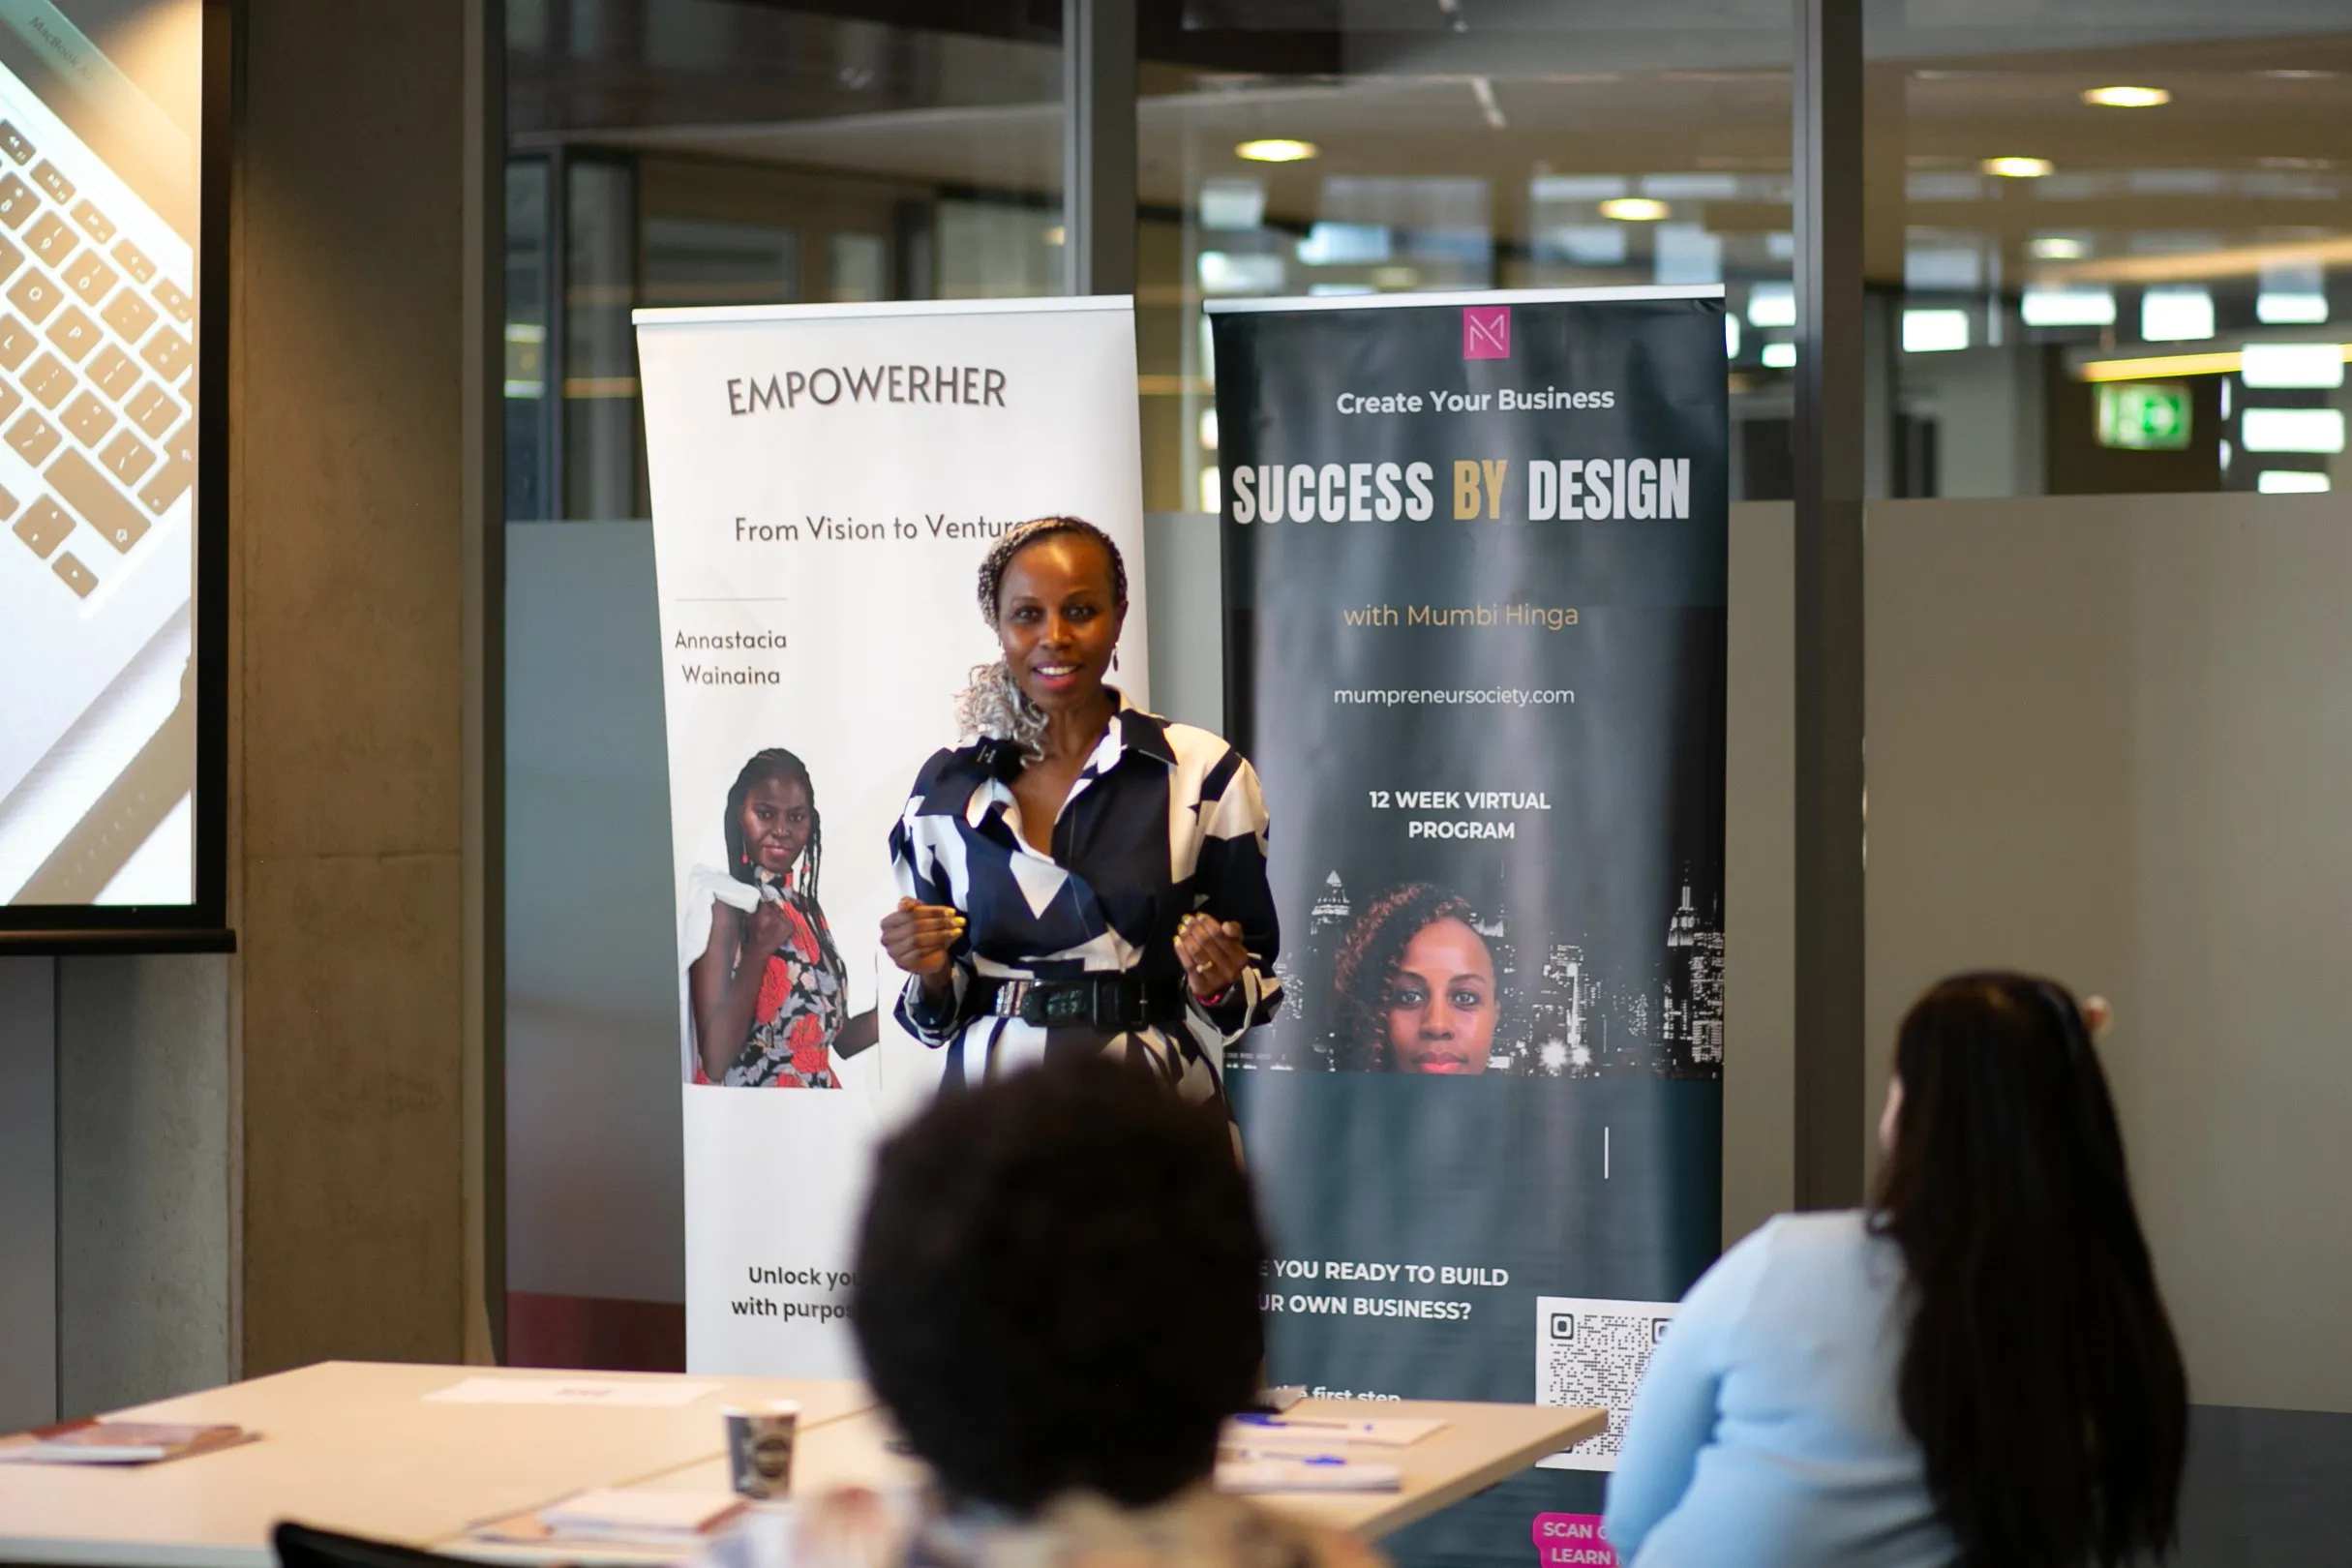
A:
2292,430
2151,367
1780,356
2056,247
2126,96
2016,169
1232,203
2282,308
1933,331
2061,306
1223,272
1277,150
2176,313
1636,209
2290,482
1772,305
2293,365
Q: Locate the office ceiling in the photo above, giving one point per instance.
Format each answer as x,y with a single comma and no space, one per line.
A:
2253,149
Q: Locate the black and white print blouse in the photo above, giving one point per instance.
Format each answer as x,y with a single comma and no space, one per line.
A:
1163,820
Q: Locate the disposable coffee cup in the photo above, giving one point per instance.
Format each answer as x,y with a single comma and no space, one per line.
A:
759,1447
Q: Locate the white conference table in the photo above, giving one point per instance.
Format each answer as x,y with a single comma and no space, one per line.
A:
356,1446
1480,1445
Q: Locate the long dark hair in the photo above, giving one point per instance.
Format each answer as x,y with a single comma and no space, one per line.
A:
777,762
1364,971
2039,1376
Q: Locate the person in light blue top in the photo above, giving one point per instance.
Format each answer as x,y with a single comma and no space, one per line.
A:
1975,1370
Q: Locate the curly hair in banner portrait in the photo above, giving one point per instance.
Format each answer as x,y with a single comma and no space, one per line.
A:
1414,986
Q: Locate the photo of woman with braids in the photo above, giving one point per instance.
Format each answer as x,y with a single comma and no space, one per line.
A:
1079,877
770,991
1413,984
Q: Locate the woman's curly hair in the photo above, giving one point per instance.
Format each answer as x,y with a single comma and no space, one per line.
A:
1057,1284
1365,970
992,706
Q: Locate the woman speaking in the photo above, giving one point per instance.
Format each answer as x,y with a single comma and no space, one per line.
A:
1080,877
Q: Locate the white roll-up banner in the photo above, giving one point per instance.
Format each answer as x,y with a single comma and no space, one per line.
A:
825,482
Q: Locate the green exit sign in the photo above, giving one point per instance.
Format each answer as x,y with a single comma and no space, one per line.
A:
2143,417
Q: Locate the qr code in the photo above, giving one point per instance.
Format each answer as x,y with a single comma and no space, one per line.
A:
1594,1353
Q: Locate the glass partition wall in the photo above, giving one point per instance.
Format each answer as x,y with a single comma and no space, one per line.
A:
711,152
1385,148
2106,244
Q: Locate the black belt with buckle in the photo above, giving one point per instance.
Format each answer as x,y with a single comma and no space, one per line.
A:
1089,1001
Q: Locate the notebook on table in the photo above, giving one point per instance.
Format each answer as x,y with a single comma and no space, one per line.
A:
612,1525
118,1442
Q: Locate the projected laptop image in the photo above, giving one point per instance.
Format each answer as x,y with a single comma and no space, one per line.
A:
97,331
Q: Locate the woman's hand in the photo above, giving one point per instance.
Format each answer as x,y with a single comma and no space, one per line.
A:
765,932
1212,955
918,937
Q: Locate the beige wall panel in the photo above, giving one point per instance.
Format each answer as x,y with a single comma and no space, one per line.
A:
354,1175
350,356
348,359
2109,740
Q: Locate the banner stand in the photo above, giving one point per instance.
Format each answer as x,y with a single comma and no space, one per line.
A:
825,482
1474,568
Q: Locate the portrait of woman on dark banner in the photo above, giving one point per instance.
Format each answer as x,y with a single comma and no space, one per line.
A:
770,991
1413,986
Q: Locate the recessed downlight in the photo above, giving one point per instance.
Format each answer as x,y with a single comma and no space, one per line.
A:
2126,96
1277,150
1636,209
2016,169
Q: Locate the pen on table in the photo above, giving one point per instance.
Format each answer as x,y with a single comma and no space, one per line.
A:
1252,1418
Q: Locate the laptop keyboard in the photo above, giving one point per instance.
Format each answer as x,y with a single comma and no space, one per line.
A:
96,351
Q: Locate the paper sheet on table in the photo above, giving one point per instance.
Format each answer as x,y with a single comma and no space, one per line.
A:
575,1391
1256,1475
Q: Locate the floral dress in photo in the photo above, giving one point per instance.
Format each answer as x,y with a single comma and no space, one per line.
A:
803,1005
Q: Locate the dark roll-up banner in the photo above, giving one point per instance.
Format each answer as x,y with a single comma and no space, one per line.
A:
1474,555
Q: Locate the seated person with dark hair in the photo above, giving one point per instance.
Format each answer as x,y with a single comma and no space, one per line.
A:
1057,1299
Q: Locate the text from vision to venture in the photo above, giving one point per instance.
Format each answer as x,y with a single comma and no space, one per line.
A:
822,528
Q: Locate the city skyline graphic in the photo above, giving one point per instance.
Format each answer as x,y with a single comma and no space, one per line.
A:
1574,1016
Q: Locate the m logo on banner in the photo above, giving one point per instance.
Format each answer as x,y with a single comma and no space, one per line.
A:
1486,332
